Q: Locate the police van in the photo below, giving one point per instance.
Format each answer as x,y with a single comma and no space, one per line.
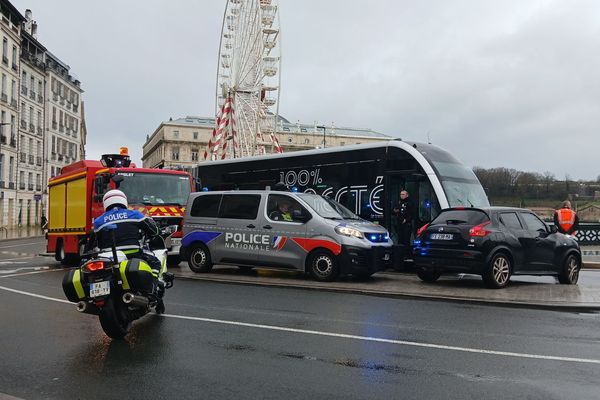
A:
283,230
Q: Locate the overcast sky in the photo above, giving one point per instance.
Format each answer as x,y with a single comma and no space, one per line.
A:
497,83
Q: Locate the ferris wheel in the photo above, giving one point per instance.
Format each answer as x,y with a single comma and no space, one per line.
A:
248,81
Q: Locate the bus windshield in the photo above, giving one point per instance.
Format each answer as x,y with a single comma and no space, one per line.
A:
461,185
154,189
327,208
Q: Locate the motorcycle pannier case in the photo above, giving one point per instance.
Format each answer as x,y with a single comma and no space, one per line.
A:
73,285
136,276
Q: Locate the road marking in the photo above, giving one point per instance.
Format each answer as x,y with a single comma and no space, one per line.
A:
19,258
19,245
41,270
13,271
344,335
12,262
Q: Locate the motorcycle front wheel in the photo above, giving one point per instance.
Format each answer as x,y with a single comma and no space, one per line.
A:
113,319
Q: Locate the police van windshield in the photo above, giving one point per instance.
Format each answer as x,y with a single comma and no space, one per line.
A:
154,189
327,208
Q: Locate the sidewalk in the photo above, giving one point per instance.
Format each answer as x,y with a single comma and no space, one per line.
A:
520,292
20,233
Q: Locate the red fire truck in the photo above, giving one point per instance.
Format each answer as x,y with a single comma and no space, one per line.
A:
75,199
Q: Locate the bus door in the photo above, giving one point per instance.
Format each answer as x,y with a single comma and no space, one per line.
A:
420,193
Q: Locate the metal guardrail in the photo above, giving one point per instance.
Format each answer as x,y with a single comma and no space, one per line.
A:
588,234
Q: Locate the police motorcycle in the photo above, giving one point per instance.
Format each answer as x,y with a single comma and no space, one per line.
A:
120,290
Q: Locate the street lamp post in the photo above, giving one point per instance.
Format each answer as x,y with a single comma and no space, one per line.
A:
322,127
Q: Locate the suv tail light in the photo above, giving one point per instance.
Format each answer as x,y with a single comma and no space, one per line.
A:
479,230
422,229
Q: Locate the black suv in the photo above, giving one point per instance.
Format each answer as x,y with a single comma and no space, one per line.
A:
494,242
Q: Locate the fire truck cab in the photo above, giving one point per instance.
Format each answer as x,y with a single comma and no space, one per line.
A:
75,200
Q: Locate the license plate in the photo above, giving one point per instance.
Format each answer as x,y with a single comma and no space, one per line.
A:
442,236
99,289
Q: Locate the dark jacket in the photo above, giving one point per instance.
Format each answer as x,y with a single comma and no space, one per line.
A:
130,227
404,213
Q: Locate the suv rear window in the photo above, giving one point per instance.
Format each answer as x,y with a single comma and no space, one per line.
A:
206,206
460,217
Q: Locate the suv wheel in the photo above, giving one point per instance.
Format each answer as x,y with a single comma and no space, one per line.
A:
199,258
427,275
497,273
323,266
569,273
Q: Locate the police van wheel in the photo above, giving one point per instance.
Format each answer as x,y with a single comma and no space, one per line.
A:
199,258
323,266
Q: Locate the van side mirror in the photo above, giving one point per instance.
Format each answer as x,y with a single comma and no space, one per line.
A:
553,229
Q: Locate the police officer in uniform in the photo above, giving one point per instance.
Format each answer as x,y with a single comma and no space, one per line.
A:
403,218
282,213
130,224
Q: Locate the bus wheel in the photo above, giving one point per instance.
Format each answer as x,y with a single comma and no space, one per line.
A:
323,266
199,258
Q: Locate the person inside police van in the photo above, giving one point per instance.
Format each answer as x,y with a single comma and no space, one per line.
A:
283,212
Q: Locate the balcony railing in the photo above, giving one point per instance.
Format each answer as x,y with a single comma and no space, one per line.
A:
40,98
30,187
75,108
14,66
11,185
31,128
22,157
62,101
40,130
38,188
13,142
24,89
54,96
38,161
32,95
31,159
4,97
21,186
61,128
60,157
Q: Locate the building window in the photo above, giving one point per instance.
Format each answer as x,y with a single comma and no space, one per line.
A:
195,135
13,91
306,141
342,143
3,85
175,153
2,169
14,56
194,154
176,134
5,51
290,139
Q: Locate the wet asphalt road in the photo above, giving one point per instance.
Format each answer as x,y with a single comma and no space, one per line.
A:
235,341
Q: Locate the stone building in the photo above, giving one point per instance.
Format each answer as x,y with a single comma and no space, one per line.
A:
182,142
40,119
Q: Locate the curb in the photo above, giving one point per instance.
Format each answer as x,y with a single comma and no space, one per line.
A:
585,307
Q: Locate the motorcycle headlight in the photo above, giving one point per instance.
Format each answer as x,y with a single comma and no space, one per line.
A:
347,231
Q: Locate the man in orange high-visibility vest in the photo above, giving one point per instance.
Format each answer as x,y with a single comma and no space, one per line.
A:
565,219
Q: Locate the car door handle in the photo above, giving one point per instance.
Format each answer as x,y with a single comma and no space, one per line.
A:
267,227
250,226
